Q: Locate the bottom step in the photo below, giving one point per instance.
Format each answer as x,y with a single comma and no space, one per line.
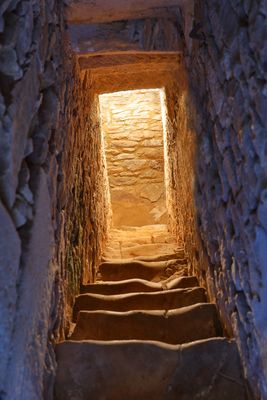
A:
133,370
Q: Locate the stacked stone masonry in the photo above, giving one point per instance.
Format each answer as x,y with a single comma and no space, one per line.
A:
216,145
48,185
226,61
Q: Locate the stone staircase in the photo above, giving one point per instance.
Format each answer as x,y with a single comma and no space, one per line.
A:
144,330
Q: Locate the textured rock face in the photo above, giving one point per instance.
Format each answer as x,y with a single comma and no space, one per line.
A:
225,164
132,126
9,261
29,93
34,292
52,210
82,189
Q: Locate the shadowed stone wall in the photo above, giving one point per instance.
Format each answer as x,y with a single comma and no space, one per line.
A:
30,63
52,206
223,141
132,126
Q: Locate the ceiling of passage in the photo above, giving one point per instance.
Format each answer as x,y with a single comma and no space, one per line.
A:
126,44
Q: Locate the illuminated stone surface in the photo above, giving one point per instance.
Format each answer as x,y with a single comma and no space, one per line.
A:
132,127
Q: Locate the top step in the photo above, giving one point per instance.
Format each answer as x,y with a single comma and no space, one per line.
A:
152,249
150,240
179,254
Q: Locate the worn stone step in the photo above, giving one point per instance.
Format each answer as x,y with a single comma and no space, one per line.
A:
164,257
142,250
121,270
141,237
138,231
161,257
132,370
164,300
199,321
128,241
138,285
125,244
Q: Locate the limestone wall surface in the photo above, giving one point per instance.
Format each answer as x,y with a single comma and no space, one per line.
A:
132,126
226,59
181,171
51,200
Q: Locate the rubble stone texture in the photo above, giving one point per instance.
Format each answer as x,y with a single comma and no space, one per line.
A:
53,186
133,132
47,187
227,79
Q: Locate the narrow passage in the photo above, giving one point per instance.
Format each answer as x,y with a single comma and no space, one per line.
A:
145,329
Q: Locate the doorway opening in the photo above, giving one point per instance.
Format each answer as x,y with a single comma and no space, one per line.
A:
132,125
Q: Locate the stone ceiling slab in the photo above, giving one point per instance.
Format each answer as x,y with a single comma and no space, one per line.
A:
94,11
114,62
129,80
153,34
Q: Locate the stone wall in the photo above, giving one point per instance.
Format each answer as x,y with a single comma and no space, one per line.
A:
225,56
29,66
132,125
181,171
47,140
82,196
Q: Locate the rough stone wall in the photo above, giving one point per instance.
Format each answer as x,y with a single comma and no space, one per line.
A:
43,179
29,67
82,198
181,170
226,58
132,125
172,160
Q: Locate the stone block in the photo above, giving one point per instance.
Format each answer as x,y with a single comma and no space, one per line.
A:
26,365
9,273
231,28
24,31
21,112
9,63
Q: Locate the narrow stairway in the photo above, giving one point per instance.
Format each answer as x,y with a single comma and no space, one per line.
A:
145,331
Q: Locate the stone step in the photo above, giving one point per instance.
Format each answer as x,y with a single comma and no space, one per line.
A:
138,285
141,250
199,321
179,255
162,257
205,370
137,231
128,241
121,270
164,300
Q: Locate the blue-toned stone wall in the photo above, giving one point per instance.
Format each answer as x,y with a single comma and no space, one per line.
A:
226,61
